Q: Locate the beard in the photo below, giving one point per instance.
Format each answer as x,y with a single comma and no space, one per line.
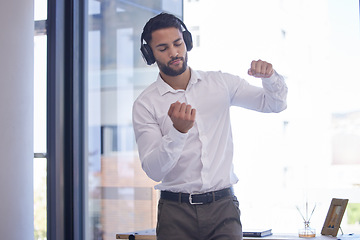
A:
166,69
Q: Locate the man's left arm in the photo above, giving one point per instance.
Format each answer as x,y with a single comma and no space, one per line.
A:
275,89
271,97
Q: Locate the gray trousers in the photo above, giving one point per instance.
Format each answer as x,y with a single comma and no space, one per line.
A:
219,220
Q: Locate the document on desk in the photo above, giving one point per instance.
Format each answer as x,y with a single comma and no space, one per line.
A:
257,232
350,236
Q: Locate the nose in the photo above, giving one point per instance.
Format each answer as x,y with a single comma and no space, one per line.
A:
173,52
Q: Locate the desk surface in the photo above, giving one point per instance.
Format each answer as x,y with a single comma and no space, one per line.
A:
150,235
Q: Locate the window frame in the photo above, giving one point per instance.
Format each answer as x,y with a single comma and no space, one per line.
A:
65,119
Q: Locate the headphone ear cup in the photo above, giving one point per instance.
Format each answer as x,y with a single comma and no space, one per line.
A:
147,54
188,40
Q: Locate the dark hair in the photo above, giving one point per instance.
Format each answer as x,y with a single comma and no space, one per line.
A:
160,21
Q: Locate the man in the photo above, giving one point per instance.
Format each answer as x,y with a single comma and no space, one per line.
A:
182,128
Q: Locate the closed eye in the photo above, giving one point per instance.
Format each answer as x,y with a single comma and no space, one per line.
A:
164,47
178,43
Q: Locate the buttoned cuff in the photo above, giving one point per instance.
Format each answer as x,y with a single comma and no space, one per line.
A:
175,135
272,78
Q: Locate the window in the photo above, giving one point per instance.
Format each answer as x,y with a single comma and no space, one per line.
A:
288,158
120,197
310,152
40,161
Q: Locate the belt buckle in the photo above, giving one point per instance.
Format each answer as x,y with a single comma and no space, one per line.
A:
191,202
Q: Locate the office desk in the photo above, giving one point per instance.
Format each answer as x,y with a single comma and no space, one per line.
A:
150,235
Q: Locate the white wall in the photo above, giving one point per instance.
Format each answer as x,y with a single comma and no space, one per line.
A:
16,119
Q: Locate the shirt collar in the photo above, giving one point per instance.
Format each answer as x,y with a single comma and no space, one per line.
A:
164,88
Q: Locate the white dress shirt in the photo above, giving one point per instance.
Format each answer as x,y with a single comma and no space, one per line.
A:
201,159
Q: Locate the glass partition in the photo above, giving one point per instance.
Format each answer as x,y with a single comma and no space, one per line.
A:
309,153
120,197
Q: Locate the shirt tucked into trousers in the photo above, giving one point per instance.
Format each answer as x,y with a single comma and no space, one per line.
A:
200,160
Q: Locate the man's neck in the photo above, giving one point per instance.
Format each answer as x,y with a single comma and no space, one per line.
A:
177,82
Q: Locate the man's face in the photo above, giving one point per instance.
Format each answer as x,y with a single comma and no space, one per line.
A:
169,51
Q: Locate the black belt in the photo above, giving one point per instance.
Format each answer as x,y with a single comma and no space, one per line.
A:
202,198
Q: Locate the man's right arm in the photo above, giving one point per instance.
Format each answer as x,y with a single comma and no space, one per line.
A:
182,115
158,152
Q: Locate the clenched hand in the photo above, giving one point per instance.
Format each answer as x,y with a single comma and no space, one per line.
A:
261,69
182,116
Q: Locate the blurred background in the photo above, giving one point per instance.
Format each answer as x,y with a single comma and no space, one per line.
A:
310,153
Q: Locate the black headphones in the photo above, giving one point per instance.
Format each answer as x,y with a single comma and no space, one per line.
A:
147,53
